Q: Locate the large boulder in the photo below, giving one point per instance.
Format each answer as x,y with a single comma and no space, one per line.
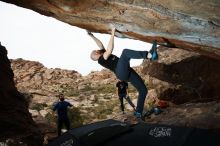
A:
188,76
188,24
16,124
199,115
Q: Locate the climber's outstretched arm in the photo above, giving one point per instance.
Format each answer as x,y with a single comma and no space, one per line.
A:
98,42
110,47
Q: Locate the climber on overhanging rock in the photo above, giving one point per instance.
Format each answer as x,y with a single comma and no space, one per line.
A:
121,66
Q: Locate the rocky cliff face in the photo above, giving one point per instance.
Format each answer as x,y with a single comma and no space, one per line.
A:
31,76
190,76
16,124
192,25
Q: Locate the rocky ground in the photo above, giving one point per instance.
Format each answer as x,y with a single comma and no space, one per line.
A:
186,115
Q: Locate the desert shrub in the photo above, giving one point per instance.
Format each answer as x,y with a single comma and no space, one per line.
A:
75,117
38,106
86,88
73,114
51,117
108,88
76,92
105,108
72,92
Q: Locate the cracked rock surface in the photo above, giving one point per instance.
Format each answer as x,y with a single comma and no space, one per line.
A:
187,24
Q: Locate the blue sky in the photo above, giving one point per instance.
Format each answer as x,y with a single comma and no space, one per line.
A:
31,36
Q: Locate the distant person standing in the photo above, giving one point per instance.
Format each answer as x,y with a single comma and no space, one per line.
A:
122,92
61,108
